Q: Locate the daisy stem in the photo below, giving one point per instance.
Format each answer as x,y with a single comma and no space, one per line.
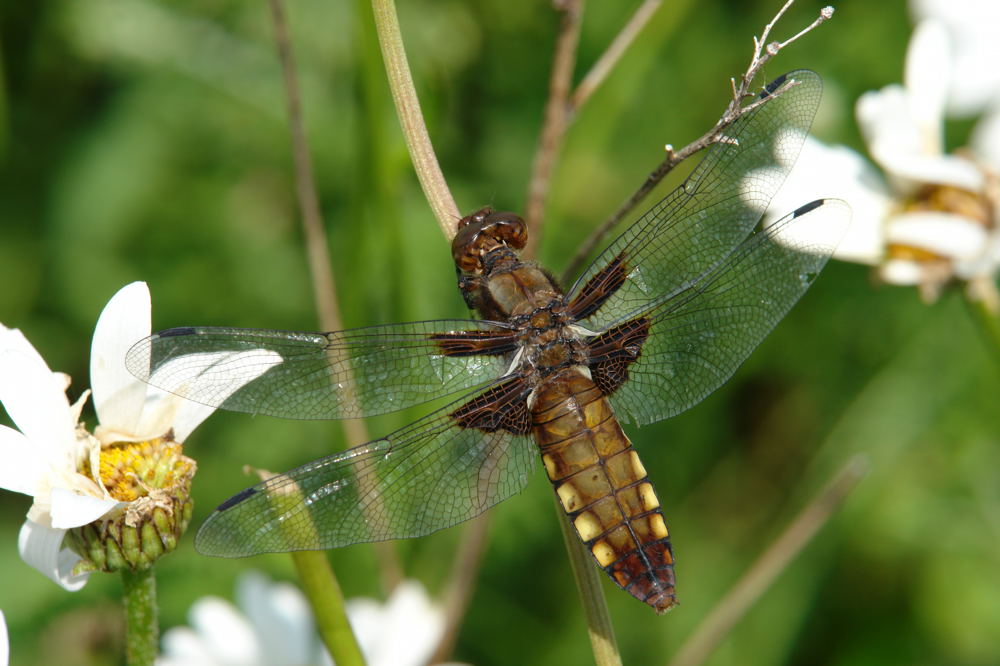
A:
983,300
588,582
327,602
141,629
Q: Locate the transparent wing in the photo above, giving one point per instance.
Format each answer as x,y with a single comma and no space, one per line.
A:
445,468
700,336
700,222
345,374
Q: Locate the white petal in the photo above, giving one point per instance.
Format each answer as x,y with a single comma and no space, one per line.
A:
971,25
837,172
41,547
70,509
34,399
884,120
927,79
403,632
4,644
227,634
184,647
985,139
414,624
23,464
950,236
280,616
230,372
910,171
901,272
986,264
118,396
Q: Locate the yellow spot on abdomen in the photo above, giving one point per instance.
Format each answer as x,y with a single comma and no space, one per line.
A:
569,497
658,527
587,526
640,471
649,500
603,552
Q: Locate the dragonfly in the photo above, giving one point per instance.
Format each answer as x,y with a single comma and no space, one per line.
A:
661,318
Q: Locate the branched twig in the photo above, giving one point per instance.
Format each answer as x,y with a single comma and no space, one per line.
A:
317,247
763,52
770,564
562,106
556,119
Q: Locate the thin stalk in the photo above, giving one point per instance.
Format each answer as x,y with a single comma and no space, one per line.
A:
461,582
321,272
317,579
771,563
418,141
327,601
600,70
588,583
983,299
142,633
557,113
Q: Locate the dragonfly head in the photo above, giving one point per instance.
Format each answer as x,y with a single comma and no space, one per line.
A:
481,233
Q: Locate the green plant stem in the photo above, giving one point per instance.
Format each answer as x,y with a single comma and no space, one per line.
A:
318,581
588,582
984,303
327,601
404,95
142,632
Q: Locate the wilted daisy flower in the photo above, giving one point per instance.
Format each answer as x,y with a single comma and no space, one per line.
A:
120,494
273,625
927,217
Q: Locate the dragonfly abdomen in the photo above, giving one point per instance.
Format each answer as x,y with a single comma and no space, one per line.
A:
603,487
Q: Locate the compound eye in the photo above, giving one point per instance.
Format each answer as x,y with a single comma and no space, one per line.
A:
509,228
476,218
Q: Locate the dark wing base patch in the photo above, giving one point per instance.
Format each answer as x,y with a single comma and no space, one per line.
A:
503,407
612,352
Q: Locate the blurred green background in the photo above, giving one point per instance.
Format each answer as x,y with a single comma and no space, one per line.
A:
144,140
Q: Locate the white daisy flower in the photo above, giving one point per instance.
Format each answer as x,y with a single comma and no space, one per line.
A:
76,478
272,624
929,219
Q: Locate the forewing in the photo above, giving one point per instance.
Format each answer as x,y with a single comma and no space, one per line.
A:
689,345
445,468
345,374
699,223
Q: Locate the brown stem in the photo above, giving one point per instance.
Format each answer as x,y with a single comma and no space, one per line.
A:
762,54
771,563
324,287
461,582
557,114
411,120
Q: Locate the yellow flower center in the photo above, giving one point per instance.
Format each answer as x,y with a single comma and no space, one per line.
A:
129,470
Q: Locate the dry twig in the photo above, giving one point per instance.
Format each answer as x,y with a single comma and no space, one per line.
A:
317,248
763,52
556,119
763,572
